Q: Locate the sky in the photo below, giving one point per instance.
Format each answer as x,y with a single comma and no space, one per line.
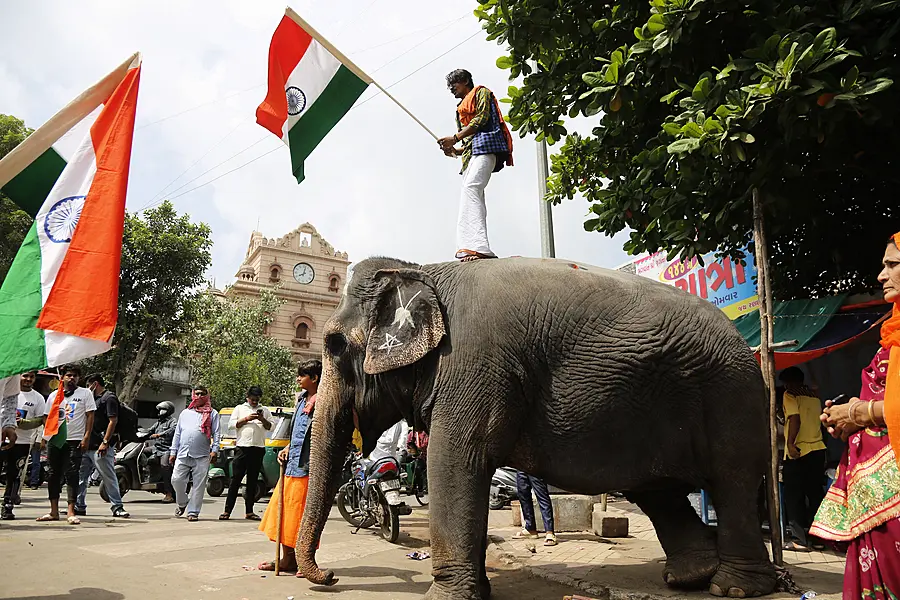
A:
377,185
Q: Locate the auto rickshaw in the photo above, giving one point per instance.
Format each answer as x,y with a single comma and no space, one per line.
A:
278,437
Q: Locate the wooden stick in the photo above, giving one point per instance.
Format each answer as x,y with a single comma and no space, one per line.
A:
280,521
767,364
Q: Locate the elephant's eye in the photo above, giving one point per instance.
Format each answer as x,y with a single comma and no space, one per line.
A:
335,343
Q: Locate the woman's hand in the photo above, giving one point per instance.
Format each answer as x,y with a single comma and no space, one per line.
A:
836,419
283,456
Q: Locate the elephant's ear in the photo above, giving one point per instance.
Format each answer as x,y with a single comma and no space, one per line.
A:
407,322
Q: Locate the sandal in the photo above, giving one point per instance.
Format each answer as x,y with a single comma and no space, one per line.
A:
465,255
795,547
224,516
193,518
73,520
253,517
48,517
550,540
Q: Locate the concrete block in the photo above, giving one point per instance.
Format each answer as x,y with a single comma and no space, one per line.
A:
609,523
571,512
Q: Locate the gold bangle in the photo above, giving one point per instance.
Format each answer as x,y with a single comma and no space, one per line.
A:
872,412
850,412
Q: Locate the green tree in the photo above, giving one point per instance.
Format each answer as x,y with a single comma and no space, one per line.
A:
229,350
697,102
164,257
14,222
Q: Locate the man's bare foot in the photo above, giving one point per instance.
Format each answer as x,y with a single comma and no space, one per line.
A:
269,565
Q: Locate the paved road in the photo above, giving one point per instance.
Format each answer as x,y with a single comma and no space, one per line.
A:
154,556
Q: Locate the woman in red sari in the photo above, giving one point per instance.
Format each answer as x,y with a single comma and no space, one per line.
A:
863,505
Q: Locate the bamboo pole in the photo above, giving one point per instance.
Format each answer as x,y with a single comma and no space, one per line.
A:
767,364
280,521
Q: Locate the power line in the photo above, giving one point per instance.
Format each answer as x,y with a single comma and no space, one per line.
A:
428,39
402,79
187,110
279,146
180,175
408,34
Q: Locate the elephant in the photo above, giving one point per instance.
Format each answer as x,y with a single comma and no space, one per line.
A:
594,380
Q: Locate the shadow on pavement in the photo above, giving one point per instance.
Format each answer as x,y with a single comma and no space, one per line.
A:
77,594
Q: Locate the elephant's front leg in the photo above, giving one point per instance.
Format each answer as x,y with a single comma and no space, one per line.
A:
459,486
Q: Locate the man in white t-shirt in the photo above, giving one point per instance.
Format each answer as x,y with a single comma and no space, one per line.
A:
391,442
29,416
75,408
252,421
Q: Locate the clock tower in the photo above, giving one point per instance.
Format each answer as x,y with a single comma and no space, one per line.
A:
307,273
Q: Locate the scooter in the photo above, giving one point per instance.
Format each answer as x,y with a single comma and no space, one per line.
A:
372,496
137,469
503,488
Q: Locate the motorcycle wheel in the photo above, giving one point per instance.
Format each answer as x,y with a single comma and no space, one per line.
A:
215,487
345,506
422,493
496,502
388,517
103,493
261,490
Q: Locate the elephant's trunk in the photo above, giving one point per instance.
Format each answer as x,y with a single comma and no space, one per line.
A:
331,432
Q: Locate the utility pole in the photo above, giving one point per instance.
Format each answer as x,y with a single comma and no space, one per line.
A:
548,246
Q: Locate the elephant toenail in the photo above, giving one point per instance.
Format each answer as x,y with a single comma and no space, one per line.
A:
736,593
670,579
715,590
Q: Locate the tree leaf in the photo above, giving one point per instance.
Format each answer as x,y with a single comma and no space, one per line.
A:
504,62
668,98
701,90
685,145
875,86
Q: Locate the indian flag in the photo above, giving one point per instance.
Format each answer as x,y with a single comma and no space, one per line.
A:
311,86
59,301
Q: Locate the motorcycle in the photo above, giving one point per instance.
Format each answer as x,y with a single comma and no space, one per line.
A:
372,496
503,488
136,469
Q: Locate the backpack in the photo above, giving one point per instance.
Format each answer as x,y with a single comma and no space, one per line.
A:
127,425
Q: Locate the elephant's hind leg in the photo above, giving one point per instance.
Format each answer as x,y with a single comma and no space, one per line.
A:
692,557
744,566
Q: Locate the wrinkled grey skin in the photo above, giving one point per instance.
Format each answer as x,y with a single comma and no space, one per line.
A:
594,380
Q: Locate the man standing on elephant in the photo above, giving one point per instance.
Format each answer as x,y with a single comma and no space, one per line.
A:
486,148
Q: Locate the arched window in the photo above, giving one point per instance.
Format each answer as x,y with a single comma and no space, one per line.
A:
302,331
333,283
274,273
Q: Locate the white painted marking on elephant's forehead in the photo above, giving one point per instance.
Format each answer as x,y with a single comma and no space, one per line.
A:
390,342
403,315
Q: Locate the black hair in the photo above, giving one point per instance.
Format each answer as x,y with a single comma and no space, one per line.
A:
255,391
792,375
460,76
74,369
311,368
95,378
200,388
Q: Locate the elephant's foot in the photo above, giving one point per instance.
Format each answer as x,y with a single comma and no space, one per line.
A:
484,587
691,570
743,579
436,592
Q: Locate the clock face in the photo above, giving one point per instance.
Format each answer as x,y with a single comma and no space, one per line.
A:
304,273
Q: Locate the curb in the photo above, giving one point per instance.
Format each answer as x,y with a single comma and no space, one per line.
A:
601,592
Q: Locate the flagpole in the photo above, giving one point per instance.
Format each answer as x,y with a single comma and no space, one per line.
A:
289,12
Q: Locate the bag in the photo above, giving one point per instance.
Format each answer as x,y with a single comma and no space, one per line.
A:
127,425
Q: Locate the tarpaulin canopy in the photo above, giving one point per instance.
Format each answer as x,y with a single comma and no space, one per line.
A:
798,320
818,327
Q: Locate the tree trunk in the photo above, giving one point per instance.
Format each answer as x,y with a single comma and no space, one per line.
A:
331,432
767,364
133,378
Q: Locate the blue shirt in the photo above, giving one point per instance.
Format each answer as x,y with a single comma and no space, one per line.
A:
189,441
298,454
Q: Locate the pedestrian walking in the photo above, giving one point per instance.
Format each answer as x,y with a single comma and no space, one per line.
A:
101,452
281,521
195,444
70,419
251,421
486,148
29,417
525,483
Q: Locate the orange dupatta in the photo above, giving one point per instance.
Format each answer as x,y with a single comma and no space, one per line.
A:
890,339
467,110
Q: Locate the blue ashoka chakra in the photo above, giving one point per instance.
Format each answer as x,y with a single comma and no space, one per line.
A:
296,100
59,225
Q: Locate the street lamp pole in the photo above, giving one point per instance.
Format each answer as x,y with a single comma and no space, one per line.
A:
548,246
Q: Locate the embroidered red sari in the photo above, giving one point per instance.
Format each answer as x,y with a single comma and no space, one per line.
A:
863,505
